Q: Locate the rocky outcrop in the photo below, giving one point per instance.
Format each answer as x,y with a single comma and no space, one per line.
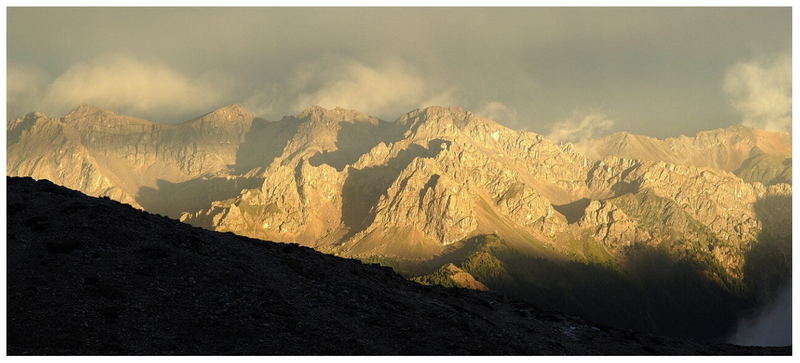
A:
423,196
300,202
611,225
450,275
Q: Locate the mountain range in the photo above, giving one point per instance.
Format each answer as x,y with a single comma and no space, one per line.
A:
678,236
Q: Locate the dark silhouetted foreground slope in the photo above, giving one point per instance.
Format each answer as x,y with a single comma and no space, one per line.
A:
92,276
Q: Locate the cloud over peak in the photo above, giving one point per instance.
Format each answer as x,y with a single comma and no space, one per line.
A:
385,89
128,84
525,67
580,126
761,90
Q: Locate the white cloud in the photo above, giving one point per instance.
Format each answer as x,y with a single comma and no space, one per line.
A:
498,111
265,102
442,98
580,127
761,90
129,85
386,89
153,90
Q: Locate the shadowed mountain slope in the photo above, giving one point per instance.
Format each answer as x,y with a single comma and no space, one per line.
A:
92,276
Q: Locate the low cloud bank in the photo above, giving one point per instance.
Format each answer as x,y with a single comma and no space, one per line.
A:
580,127
500,112
120,83
771,326
384,89
761,90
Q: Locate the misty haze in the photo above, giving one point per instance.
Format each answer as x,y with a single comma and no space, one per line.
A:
399,181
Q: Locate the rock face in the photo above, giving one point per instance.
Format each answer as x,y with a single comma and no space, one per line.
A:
611,225
736,149
418,189
93,277
50,149
125,158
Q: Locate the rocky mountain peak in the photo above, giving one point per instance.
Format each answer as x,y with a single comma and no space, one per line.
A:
335,115
229,113
15,127
445,110
29,118
88,117
433,114
34,116
436,120
85,110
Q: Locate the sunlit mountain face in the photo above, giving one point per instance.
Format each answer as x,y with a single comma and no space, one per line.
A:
678,236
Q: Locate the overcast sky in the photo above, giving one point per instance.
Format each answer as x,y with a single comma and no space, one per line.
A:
567,72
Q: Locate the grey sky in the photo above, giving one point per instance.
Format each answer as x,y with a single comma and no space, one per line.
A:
656,71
